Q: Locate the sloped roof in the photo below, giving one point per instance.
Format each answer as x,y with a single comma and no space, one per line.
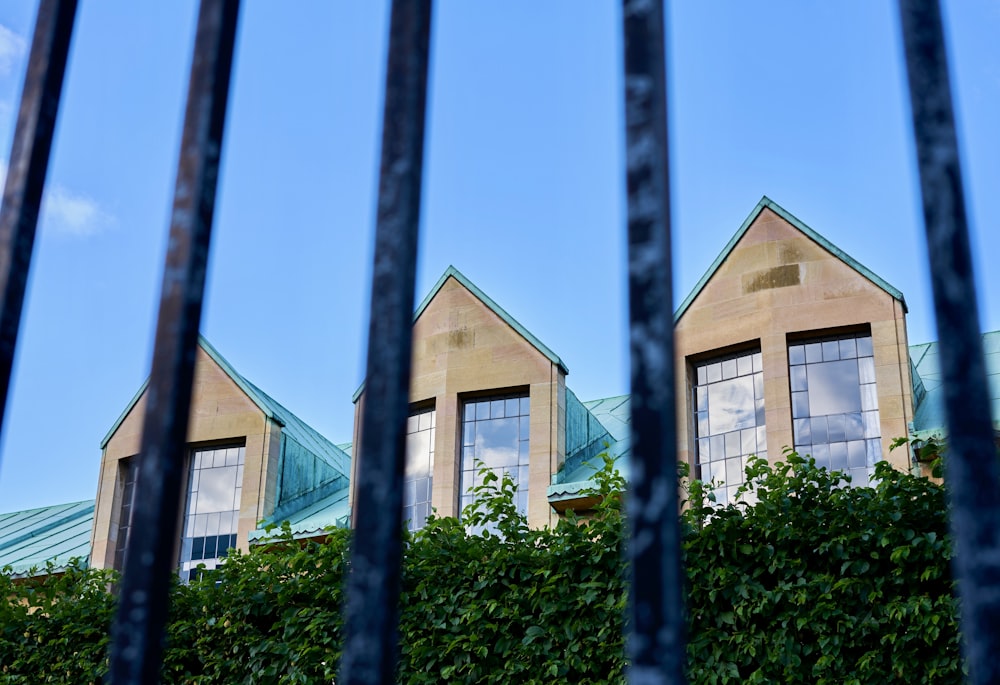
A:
615,414
29,539
452,272
768,203
330,512
291,424
929,415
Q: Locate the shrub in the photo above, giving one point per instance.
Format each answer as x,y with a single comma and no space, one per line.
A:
815,582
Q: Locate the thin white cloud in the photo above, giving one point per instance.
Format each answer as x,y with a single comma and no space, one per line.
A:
12,47
67,212
71,213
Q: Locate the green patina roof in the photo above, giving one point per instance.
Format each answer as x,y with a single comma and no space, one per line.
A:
291,424
330,512
929,417
767,203
452,272
32,538
615,415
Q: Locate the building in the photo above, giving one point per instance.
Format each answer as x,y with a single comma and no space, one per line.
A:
785,341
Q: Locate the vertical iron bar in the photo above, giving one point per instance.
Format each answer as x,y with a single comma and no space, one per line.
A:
29,161
656,622
138,632
371,613
972,467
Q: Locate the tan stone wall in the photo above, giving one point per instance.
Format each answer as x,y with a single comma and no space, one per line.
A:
461,348
221,413
778,282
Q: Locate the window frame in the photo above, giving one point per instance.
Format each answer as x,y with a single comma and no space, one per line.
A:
193,451
713,369
466,460
857,429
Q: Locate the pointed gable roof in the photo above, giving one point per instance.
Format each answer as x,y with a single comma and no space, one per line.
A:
452,272
768,203
291,424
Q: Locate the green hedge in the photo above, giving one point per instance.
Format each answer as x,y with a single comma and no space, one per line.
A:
815,583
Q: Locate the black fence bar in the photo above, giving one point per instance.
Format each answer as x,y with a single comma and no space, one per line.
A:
371,612
138,632
29,161
656,620
972,466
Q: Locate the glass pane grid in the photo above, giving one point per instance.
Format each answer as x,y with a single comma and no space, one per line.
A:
128,470
729,420
496,436
835,404
211,520
419,472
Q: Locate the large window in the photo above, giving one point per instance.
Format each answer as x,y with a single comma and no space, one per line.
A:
213,507
128,469
495,435
418,476
728,400
835,404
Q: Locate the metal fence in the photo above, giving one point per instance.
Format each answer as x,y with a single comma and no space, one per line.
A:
656,623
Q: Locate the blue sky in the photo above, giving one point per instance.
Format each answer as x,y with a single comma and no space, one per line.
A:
803,102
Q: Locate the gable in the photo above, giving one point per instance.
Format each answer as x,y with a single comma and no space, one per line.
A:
457,333
457,323
774,250
215,397
453,274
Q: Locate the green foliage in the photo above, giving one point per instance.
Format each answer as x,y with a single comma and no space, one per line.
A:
813,583
54,628
928,451
821,583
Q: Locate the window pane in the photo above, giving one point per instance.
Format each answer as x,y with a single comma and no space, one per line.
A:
800,405
499,438
838,456
729,369
482,411
797,378
731,405
834,387
729,415
837,426
835,403
848,348
796,354
744,366
418,474
212,506
814,353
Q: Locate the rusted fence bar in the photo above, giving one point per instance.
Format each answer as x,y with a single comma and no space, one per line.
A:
656,618
371,613
972,467
138,631
27,166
